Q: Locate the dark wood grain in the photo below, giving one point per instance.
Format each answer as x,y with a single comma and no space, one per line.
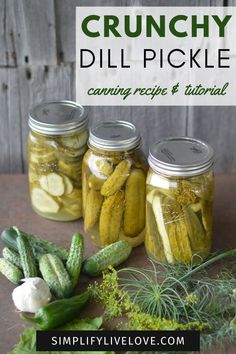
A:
15,209
37,55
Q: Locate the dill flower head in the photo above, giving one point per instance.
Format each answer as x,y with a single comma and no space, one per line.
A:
192,299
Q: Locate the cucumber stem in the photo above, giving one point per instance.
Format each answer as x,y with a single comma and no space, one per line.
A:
16,230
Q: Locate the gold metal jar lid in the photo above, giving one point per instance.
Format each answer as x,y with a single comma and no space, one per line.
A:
58,117
181,156
114,136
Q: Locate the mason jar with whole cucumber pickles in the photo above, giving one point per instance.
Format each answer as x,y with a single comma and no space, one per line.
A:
180,186
114,184
56,146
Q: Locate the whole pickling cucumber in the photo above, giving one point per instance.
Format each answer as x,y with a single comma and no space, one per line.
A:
74,261
55,275
10,271
12,257
28,261
39,245
113,255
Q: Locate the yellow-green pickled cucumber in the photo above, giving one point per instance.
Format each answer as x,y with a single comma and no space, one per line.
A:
76,141
95,182
68,184
53,184
111,218
196,232
133,241
161,222
206,213
118,178
104,167
183,242
135,196
93,207
72,170
72,203
43,202
153,240
85,190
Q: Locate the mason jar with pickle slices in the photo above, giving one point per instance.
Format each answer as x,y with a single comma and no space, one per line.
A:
180,186
56,146
114,184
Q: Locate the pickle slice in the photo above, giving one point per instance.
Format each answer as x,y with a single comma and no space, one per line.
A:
53,184
72,170
74,209
42,157
68,185
43,202
71,153
76,195
75,141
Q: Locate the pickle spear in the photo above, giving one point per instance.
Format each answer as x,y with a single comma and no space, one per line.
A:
160,220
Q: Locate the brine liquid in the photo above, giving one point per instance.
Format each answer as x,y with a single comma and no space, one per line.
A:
179,217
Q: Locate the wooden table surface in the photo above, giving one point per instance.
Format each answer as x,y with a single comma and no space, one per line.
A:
15,209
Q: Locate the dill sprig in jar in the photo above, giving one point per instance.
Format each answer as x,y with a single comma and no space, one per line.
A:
56,146
114,184
179,200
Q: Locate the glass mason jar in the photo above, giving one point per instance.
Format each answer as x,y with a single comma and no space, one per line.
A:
179,201
57,142
114,184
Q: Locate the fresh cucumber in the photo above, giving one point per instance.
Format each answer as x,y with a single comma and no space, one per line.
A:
39,245
27,257
74,261
55,275
12,256
113,255
10,271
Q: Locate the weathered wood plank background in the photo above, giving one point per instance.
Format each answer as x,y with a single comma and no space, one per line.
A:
37,62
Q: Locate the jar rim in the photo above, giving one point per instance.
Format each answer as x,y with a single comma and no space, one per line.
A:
164,154
58,117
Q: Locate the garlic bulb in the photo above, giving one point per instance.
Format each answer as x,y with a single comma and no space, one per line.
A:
31,295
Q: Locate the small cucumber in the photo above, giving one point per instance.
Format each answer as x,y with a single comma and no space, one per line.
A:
113,255
74,262
10,271
28,261
39,245
12,256
55,275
